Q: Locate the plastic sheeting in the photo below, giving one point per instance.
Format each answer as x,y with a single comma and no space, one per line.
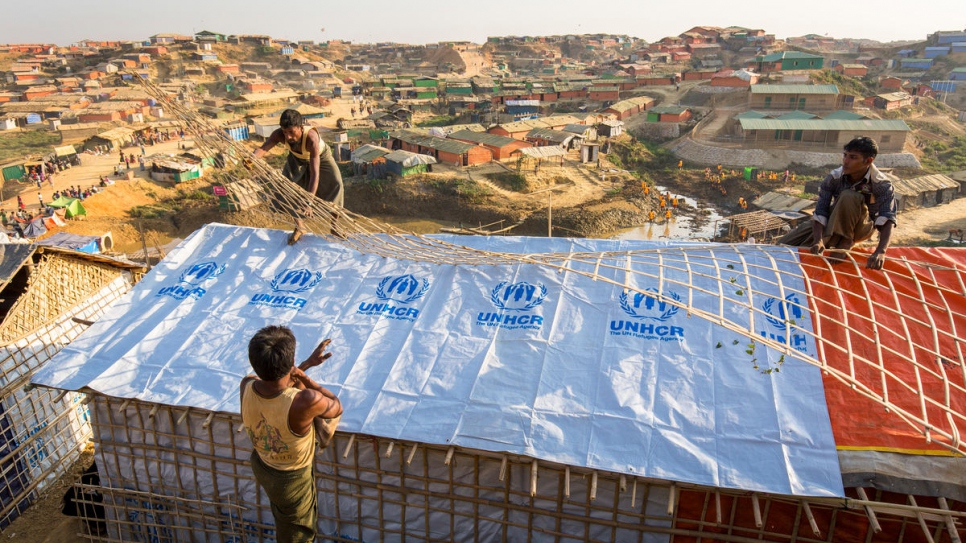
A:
519,359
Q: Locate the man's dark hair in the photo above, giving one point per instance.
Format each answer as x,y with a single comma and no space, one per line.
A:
863,145
271,352
290,118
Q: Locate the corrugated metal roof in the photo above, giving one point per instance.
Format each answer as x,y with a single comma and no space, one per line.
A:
774,57
368,153
825,124
668,110
842,115
777,201
794,89
494,140
796,115
926,183
752,114
440,144
556,136
541,152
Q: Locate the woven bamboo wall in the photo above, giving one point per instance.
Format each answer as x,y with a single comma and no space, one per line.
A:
177,475
44,429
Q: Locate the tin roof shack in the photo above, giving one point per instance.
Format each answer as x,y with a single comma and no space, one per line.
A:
500,146
545,137
915,63
603,93
892,100
523,109
734,78
49,297
852,70
784,205
822,133
175,169
669,114
446,151
925,191
610,128
786,60
810,97
630,107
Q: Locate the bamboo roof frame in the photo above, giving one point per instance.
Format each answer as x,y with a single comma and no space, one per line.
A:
705,262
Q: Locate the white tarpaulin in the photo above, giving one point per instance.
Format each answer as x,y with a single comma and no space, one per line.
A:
521,359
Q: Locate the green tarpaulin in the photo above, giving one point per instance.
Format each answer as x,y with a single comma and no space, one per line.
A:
72,206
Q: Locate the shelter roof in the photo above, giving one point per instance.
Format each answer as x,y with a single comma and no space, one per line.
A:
925,183
778,202
895,125
794,89
494,140
549,151
440,144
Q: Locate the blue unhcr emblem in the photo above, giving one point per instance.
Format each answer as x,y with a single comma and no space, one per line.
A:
647,306
285,285
295,281
781,312
789,309
393,291
199,273
520,296
401,288
191,279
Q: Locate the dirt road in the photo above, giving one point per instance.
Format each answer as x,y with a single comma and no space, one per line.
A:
930,223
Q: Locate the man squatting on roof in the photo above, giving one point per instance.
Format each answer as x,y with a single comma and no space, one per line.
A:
853,201
284,412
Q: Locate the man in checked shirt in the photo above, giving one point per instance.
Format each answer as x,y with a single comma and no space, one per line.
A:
853,201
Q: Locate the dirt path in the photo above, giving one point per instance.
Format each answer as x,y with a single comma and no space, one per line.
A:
930,223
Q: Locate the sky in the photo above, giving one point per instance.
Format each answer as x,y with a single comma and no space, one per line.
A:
425,21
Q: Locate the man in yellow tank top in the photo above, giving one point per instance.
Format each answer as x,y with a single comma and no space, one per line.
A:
284,412
310,163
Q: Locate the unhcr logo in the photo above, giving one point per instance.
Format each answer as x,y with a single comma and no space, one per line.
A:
650,309
189,284
393,293
778,312
285,285
514,297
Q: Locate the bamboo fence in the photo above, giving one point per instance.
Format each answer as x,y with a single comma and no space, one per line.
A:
44,429
175,474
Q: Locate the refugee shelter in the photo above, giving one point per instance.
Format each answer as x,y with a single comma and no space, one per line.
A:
49,296
924,191
539,389
403,163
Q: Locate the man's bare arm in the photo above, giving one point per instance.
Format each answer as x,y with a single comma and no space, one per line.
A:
315,144
274,139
